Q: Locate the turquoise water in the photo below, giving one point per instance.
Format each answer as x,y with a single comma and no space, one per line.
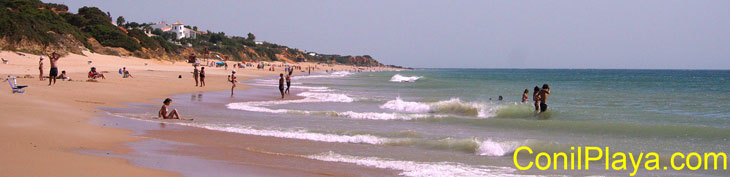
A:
441,122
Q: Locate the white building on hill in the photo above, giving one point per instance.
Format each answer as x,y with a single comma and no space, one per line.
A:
178,28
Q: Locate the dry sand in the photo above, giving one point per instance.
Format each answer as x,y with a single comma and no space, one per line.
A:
43,129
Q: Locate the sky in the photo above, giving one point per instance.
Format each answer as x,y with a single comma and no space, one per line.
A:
611,34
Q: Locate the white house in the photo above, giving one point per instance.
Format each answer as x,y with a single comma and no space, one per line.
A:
258,42
178,28
182,32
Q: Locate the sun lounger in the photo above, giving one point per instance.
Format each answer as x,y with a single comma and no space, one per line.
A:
14,85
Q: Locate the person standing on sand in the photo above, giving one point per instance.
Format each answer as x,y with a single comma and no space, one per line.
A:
232,79
524,95
543,97
202,76
40,67
536,98
281,84
54,70
196,74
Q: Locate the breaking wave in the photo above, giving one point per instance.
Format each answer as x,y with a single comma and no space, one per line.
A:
400,78
455,106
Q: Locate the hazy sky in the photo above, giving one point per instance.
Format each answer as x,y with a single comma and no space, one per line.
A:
474,34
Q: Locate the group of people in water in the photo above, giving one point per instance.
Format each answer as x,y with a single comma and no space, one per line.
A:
539,96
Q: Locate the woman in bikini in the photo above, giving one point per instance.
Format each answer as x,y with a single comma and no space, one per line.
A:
164,114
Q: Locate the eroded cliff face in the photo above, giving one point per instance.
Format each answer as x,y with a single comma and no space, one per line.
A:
64,45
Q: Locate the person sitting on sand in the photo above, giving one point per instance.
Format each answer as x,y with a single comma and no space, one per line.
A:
281,84
164,114
126,73
543,97
63,76
536,98
202,76
94,75
524,95
233,80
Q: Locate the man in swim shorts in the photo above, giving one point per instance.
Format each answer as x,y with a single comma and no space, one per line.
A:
54,70
543,97
281,85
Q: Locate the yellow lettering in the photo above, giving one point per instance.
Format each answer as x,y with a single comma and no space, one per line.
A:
514,158
565,160
672,161
588,155
635,162
689,164
715,157
655,161
537,161
622,161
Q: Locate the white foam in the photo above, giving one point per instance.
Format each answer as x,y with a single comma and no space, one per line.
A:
400,78
295,134
406,106
336,74
418,169
309,97
493,148
381,115
452,106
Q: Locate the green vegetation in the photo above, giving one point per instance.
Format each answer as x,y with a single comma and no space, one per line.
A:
44,23
32,20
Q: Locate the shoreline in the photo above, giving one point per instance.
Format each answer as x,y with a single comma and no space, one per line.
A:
45,126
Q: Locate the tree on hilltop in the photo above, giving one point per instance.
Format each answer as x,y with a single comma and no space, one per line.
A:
120,21
251,37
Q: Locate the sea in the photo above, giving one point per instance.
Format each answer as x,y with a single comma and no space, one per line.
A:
450,122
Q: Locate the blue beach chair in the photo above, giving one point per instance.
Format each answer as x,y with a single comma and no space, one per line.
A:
14,85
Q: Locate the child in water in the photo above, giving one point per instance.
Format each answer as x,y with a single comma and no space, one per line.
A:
524,95
536,98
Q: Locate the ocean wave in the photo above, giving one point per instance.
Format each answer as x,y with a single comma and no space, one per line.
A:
473,145
309,97
418,169
400,78
296,134
336,74
455,106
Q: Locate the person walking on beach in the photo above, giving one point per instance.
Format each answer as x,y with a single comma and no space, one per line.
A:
40,67
281,84
54,70
196,74
202,76
232,79
543,97
524,95
536,98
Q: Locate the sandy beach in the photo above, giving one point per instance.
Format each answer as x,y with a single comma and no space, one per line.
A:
44,129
